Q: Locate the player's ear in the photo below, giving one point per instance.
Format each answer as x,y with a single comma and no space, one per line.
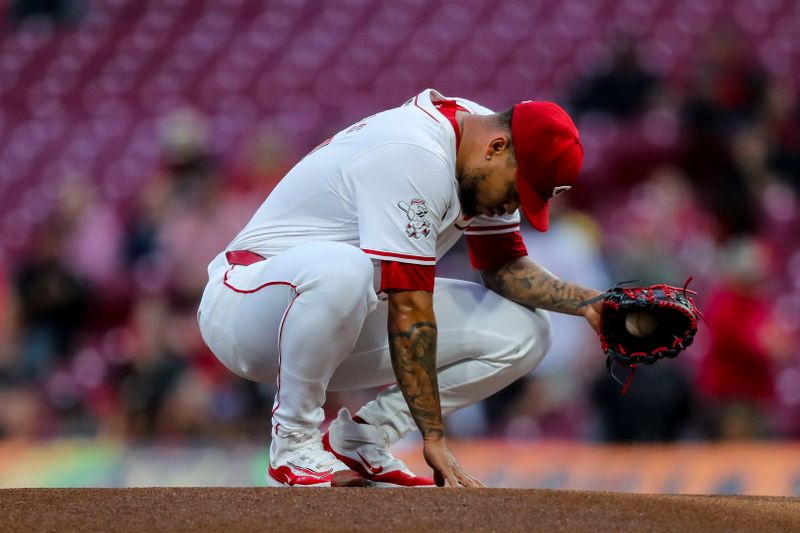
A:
498,146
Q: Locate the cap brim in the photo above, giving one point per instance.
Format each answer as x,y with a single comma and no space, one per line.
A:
536,208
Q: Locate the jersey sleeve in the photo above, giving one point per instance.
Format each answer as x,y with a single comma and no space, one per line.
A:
407,276
402,193
494,241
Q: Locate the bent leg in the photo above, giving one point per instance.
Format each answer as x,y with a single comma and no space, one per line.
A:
485,342
292,318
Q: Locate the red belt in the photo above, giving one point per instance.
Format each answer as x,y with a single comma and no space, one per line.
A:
242,257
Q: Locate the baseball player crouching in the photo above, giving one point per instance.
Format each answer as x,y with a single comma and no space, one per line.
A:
331,285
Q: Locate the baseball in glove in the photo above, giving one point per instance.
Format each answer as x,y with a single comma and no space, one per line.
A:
641,325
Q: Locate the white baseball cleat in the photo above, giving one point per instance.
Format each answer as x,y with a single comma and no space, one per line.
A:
362,447
300,461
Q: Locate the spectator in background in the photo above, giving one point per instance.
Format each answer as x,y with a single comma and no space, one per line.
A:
728,79
657,408
141,243
188,162
92,233
622,90
194,226
781,122
187,212
708,162
736,373
726,94
24,419
7,306
661,233
52,303
155,364
264,159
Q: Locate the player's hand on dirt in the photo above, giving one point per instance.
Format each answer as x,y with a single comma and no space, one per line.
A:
446,469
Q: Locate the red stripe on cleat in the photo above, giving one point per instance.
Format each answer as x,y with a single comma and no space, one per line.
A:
395,478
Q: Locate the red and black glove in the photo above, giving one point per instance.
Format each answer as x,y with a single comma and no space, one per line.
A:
671,312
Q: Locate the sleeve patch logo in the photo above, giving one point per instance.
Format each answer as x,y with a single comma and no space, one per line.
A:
417,226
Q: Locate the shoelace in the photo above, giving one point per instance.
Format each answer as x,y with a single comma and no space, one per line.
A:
390,460
320,461
311,451
365,440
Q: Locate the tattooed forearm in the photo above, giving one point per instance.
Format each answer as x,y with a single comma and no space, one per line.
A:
413,353
412,345
523,281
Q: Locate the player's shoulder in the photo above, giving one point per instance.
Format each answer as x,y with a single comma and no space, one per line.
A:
417,122
421,118
394,156
424,104
473,107
394,130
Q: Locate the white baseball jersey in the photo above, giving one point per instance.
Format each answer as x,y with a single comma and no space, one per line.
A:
386,184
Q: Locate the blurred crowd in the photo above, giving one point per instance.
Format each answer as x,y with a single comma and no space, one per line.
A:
687,176
99,328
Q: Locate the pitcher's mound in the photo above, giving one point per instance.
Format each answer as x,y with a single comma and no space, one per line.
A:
351,509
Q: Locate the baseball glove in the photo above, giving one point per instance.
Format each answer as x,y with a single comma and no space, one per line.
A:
672,317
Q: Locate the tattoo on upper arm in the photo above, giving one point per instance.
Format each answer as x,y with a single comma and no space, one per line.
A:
413,353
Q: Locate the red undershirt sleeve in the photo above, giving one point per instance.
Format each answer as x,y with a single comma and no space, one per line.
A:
490,252
407,276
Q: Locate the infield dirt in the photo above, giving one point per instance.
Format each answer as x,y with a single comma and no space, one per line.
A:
440,510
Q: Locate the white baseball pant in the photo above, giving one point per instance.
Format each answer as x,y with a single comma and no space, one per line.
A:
309,318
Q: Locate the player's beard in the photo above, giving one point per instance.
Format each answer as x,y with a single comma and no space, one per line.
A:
467,190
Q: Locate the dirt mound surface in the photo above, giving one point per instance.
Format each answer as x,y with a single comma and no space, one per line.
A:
440,510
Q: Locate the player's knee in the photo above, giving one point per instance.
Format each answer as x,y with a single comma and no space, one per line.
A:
351,268
347,276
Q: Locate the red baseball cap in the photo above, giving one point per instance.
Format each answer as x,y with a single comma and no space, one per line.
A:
549,156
